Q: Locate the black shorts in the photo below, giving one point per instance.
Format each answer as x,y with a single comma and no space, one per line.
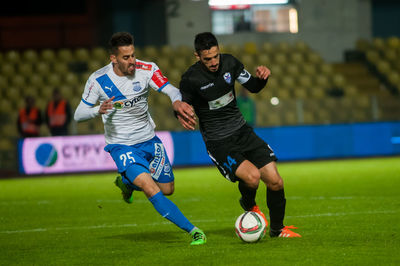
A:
228,153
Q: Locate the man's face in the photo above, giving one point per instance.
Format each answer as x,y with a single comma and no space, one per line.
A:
124,62
210,58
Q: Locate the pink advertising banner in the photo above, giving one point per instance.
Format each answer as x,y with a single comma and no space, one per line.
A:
73,154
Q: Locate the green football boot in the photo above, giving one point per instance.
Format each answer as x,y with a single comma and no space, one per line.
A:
198,237
127,193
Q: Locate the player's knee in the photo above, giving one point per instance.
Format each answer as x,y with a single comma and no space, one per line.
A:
168,190
276,184
253,179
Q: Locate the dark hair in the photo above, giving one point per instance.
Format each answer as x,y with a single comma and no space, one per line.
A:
204,41
120,39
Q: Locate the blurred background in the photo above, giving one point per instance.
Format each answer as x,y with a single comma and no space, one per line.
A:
332,62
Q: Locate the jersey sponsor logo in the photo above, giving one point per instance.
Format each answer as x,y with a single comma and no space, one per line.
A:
159,79
108,88
136,86
207,86
143,66
157,164
221,101
227,77
127,103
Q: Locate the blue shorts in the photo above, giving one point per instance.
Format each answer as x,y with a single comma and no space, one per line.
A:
146,157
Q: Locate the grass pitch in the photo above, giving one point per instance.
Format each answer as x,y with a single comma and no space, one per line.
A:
347,211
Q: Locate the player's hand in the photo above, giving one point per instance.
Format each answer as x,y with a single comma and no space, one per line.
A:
106,105
185,114
263,72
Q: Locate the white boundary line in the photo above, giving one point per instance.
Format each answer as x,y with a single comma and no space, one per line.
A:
195,221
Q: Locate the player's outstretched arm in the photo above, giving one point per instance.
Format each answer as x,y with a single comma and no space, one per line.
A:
185,114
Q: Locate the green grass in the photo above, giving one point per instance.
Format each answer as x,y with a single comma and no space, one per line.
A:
347,211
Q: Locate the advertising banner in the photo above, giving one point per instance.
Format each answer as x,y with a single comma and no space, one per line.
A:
72,154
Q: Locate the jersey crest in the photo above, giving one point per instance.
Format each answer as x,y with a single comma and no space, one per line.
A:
227,77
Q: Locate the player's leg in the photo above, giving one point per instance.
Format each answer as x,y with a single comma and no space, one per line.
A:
166,188
167,208
227,156
276,201
160,166
249,178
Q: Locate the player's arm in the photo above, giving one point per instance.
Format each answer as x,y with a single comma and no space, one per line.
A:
160,83
87,108
254,84
183,111
85,112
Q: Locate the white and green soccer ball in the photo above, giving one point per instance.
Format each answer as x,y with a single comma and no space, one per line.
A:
250,227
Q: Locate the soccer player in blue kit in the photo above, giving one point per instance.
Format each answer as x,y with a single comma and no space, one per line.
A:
122,88
239,154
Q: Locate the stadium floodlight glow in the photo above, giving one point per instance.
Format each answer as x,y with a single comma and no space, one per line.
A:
246,2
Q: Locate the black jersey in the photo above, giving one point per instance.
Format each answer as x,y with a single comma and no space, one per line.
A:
212,95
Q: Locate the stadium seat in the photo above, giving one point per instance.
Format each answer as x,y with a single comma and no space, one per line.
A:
35,80
232,49
393,42
314,58
167,51
338,81
301,46
150,52
379,44
42,68
81,55
30,56
46,92
317,92
305,81
7,69
309,69
18,80
71,79
300,93
322,81
94,65
326,69
12,56
67,91
267,48
250,48
293,70
280,59
25,69
263,59
60,68
296,58
48,55
164,64
363,45
65,55
3,82
99,54
53,79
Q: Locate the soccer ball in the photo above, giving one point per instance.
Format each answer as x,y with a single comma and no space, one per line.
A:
250,227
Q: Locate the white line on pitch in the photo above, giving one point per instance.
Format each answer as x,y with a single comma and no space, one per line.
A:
195,221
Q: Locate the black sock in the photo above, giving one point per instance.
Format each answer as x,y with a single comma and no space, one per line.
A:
248,200
276,203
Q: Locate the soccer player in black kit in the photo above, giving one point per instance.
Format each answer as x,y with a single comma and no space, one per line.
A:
239,154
